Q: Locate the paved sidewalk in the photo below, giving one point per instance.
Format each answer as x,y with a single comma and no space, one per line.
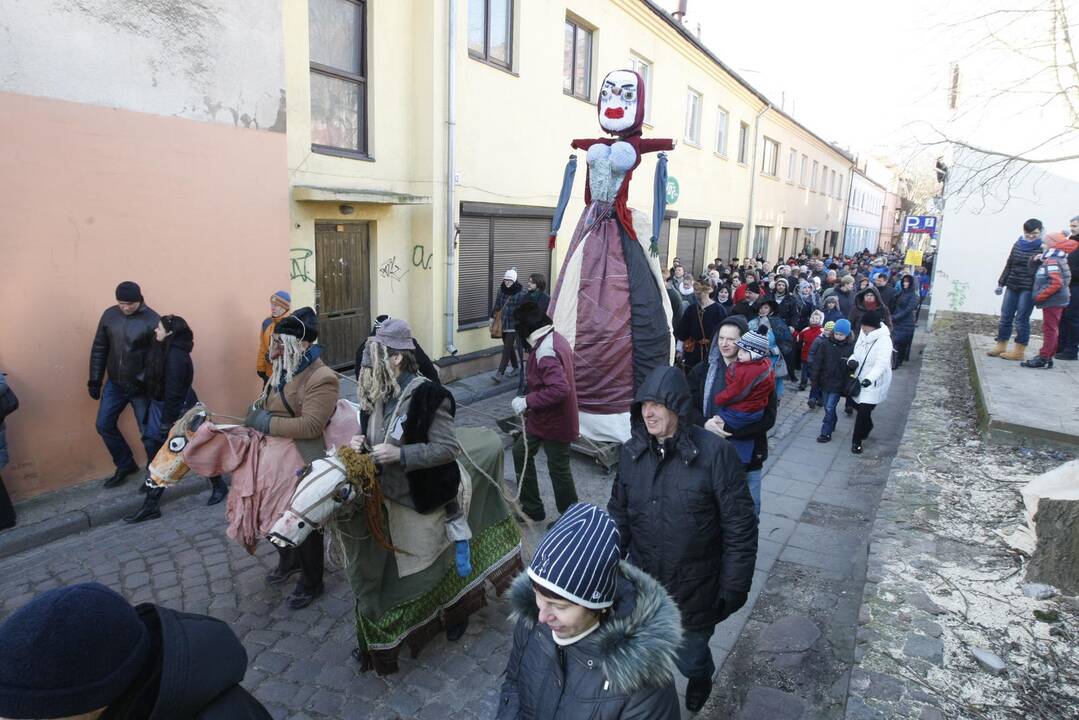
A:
1004,391
788,653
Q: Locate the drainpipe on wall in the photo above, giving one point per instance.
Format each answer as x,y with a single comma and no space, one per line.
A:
451,169
753,181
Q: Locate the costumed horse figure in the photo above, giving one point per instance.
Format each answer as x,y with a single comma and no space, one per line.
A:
405,597
610,302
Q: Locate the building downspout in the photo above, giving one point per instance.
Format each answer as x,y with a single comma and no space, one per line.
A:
753,181
451,171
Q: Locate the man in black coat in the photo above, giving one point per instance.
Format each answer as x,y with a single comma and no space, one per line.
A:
747,306
708,378
84,652
685,516
120,346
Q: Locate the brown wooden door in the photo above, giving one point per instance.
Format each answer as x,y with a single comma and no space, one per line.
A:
343,292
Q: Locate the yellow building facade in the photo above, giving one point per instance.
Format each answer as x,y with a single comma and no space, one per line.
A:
378,90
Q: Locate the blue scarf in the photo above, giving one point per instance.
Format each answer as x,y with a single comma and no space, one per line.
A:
1030,246
309,357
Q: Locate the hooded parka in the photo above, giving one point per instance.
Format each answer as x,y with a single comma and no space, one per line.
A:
683,508
859,310
194,672
623,669
873,353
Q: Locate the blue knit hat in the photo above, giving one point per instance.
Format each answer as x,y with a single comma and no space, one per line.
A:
578,557
70,651
755,342
842,326
281,298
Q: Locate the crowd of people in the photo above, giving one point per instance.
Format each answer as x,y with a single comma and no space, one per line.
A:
599,588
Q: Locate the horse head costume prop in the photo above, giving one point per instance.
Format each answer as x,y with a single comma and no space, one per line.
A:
168,467
326,487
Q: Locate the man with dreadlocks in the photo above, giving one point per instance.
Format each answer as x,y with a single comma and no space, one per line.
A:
408,426
297,403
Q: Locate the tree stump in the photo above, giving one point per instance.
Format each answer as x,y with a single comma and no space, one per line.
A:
1056,556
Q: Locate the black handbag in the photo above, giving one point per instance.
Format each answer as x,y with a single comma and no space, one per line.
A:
854,382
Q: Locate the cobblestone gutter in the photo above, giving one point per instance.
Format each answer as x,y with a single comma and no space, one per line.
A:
946,630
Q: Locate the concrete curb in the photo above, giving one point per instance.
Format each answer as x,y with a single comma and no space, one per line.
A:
103,512
26,537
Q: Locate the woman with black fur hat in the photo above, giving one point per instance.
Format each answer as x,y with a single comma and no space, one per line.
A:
298,402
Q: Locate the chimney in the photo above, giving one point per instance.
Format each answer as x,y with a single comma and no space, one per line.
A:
680,13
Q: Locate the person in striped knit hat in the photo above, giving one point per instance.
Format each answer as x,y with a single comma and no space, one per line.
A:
280,305
595,637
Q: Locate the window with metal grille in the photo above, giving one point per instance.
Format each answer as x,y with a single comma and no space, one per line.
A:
692,236
337,34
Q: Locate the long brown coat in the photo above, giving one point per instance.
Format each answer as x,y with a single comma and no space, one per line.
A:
312,395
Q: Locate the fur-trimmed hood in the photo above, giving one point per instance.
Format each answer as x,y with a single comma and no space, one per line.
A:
636,643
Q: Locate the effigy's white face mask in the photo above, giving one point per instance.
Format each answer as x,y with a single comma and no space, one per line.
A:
618,98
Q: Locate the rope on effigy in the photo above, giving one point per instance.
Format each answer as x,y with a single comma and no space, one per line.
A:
362,473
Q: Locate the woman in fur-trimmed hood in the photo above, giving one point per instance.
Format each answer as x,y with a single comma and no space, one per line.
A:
595,637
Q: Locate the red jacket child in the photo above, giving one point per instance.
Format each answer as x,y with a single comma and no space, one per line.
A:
807,336
740,375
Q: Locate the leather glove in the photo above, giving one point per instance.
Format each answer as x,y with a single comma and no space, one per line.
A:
729,603
519,404
998,291
852,364
94,388
258,420
262,376
866,382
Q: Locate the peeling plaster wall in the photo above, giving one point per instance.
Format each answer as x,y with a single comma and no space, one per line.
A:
212,60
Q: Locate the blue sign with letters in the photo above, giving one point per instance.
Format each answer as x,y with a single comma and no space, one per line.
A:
920,224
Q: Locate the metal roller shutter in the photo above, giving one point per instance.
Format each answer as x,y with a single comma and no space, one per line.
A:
473,270
691,241
520,243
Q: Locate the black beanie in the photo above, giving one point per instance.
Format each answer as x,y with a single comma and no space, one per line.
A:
872,319
70,651
128,292
754,287
528,318
302,323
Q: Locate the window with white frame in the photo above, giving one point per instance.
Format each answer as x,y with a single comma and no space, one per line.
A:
723,121
839,189
803,177
813,177
824,189
644,68
693,117
577,60
831,185
743,142
792,165
770,158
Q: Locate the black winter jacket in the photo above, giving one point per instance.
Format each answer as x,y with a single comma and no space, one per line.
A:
789,308
757,431
683,508
829,370
622,670
859,310
1073,264
175,390
120,346
194,672
1018,273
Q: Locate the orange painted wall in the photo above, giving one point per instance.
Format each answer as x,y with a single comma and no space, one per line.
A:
195,212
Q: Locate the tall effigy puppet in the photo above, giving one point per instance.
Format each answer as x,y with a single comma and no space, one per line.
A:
610,302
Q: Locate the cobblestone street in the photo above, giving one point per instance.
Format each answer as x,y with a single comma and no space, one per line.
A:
300,664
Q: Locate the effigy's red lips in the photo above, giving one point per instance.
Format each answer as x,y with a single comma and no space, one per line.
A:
614,112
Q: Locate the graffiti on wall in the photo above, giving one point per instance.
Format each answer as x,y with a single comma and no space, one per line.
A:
421,258
300,270
390,270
